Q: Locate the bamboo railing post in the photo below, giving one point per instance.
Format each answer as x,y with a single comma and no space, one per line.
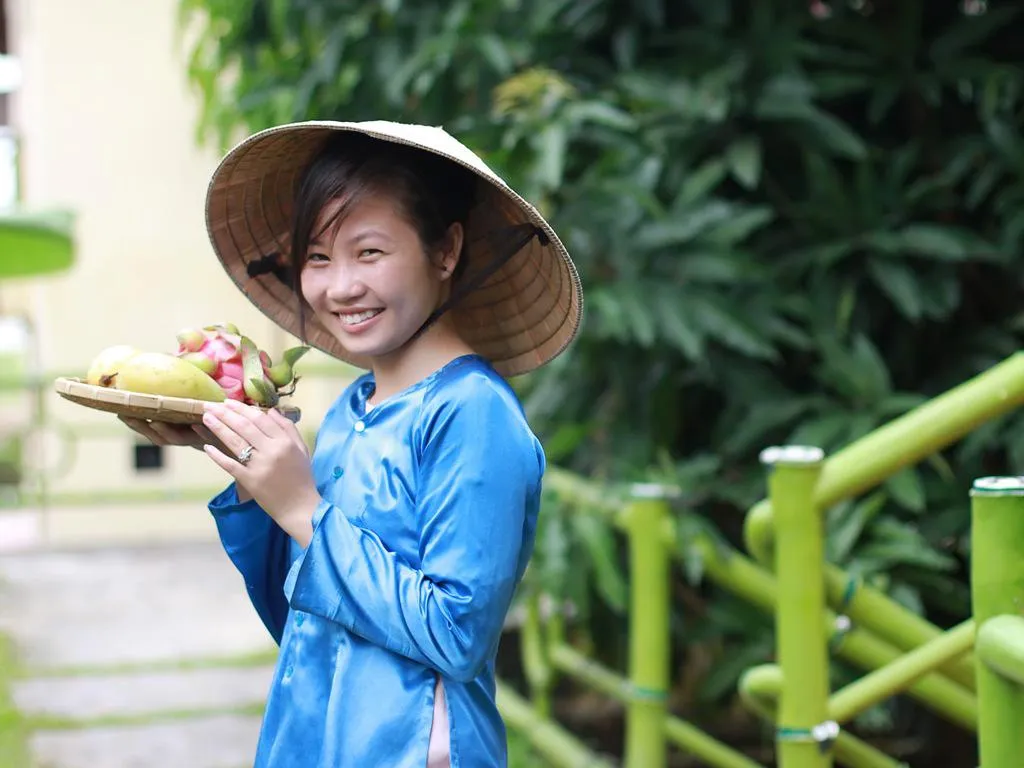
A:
804,734
536,663
997,589
644,520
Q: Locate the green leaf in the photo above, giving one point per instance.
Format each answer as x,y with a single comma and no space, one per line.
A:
1006,139
967,31
599,541
677,325
760,420
740,226
493,50
684,227
551,147
744,160
600,113
885,555
899,283
699,183
982,184
566,438
847,522
726,267
728,327
825,432
825,130
906,488
639,314
933,241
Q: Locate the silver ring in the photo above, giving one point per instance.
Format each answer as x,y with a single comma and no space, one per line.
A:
246,454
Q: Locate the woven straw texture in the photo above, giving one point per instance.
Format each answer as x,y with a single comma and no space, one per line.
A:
173,410
522,316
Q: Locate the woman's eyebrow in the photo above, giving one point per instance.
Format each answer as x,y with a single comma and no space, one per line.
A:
365,234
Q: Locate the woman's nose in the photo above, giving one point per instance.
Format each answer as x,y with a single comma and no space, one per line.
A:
344,285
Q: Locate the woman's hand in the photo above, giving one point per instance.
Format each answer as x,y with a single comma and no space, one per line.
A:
267,455
195,436
162,433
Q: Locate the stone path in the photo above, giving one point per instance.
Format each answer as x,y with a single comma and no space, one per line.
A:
144,656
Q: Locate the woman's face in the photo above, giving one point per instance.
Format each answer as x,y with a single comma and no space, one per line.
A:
369,281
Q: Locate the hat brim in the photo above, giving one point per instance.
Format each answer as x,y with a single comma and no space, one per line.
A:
521,317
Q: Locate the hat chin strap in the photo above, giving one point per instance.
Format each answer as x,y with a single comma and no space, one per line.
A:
513,239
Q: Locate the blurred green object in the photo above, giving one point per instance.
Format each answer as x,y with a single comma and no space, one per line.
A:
35,243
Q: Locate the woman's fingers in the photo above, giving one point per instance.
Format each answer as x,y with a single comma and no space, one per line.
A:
206,437
141,427
288,428
173,434
259,418
150,430
235,432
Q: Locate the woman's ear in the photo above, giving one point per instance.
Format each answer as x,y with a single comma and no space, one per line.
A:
452,250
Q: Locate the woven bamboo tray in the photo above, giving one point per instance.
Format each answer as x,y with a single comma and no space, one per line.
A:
173,410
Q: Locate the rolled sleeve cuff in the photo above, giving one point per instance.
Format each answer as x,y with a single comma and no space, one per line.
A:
239,523
304,582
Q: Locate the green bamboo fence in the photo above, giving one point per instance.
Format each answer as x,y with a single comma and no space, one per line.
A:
971,674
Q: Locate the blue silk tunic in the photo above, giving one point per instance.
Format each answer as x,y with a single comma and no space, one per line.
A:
427,520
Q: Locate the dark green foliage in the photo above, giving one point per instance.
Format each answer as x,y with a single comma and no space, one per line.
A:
789,229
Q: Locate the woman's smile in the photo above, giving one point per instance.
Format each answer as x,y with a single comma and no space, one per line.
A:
358,320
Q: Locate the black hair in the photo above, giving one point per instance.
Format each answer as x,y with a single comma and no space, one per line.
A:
432,192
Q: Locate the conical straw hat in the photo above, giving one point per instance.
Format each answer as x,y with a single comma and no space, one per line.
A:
520,317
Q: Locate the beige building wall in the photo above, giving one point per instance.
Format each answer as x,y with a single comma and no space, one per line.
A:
107,125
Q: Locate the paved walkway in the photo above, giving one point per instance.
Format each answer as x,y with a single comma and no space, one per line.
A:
145,656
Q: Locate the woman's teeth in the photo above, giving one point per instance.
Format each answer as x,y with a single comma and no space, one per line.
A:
358,317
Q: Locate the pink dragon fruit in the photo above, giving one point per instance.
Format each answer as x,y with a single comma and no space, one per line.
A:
242,370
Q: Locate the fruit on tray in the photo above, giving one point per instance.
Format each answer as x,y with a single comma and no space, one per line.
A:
212,363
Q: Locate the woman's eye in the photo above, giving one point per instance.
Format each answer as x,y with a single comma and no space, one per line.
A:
367,253
316,257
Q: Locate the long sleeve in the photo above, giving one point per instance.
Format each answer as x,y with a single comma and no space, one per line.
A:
477,492
259,550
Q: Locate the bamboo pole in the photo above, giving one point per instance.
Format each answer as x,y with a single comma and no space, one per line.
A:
803,734
644,520
997,589
536,665
759,691
688,737
743,577
559,747
898,675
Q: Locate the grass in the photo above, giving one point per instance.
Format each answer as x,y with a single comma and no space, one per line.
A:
13,727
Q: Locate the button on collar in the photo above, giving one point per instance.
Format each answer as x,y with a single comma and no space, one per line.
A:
359,426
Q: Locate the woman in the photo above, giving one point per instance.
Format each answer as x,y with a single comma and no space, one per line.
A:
385,564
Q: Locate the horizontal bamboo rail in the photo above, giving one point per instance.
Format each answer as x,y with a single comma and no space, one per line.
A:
1000,647
760,688
899,674
743,577
555,744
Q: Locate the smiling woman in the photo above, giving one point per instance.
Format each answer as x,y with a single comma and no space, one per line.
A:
385,563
